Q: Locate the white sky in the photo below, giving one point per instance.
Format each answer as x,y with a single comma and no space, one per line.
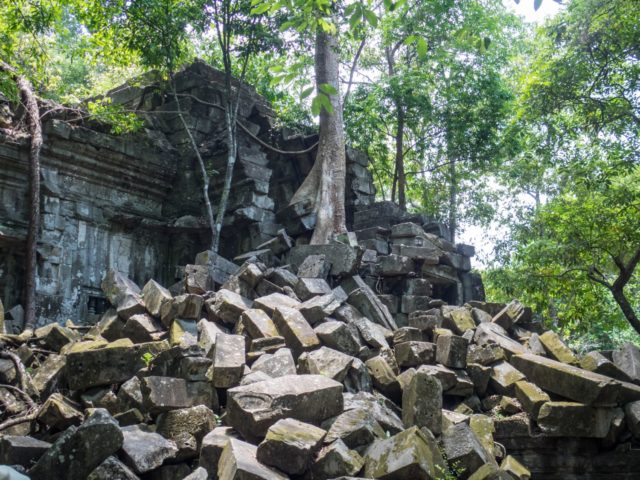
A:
482,239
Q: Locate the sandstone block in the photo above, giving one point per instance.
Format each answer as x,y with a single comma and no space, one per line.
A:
422,402
451,351
228,360
297,332
143,451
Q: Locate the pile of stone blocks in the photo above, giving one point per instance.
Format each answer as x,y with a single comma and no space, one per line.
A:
301,371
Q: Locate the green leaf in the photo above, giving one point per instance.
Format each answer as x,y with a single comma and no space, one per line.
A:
422,47
325,102
371,17
260,9
328,89
315,106
355,20
306,92
410,39
536,4
487,42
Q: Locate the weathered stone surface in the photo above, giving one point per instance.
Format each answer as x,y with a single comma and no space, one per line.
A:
228,360
344,260
252,409
556,348
512,313
462,447
570,382
297,332
422,402
207,333
270,302
115,363
227,306
258,324
494,333
480,376
161,394
383,410
485,354
336,461
514,468
187,306
627,359
458,319
290,446
339,336
238,462
58,413
213,444
413,354
53,336
383,376
186,427
307,288
356,428
314,266
112,469
79,450
531,397
570,419
426,321
49,375
409,455
325,361
504,377
318,308
372,333
632,413
110,325
143,451
275,365
21,450
451,351
484,428
366,301
598,363
183,333
155,295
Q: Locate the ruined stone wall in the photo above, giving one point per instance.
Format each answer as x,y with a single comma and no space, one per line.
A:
134,202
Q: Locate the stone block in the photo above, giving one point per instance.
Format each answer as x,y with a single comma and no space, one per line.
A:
458,319
79,450
568,381
228,360
307,288
513,312
357,428
493,333
183,333
297,332
186,427
531,397
325,361
485,354
141,328
504,377
314,266
365,300
252,409
556,348
162,394
154,296
413,354
627,359
290,446
451,351
275,365
318,308
227,306
409,455
144,451
21,450
270,302
598,363
336,460
339,336
570,419
112,469
632,413
463,448
422,402
344,259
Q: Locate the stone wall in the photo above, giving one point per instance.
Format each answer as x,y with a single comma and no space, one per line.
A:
134,202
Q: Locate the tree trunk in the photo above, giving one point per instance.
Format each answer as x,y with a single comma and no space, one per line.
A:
625,306
401,177
203,170
453,200
35,131
325,184
228,176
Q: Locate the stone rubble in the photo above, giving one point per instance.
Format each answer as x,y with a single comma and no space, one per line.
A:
321,376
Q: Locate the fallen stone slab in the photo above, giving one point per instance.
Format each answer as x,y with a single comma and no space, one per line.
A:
513,312
367,302
297,332
161,394
458,319
144,451
422,402
336,460
228,360
409,455
238,462
487,333
155,295
627,359
598,363
117,362
79,450
413,354
49,375
344,259
383,410
503,378
356,428
112,469
568,381
227,306
59,413
325,361
570,419
252,409
290,446
464,449
275,365
632,414
186,427
269,303
451,351
556,348
183,333
339,336
531,397
213,444
21,450
258,324
141,328
384,377
307,288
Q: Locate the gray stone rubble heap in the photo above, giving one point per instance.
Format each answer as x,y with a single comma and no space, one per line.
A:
311,370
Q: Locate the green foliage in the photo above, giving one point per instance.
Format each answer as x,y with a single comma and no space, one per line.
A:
147,358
